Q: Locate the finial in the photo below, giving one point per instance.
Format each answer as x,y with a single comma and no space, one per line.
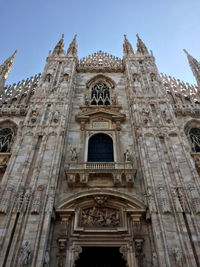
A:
63,36
141,47
186,52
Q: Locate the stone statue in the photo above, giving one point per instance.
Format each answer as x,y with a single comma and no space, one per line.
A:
127,156
74,156
56,117
25,254
178,256
154,259
46,259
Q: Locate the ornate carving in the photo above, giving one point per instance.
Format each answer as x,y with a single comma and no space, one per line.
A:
36,204
151,201
50,201
6,199
127,156
139,251
56,117
145,114
34,115
154,259
100,200
76,250
178,256
195,198
25,254
124,251
165,205
46,259
100,217
6,139
177,203
100,61
166,116
74,154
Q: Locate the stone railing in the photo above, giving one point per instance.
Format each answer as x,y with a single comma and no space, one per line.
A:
121,173
100,165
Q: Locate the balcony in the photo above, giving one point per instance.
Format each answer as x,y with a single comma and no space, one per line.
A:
100,174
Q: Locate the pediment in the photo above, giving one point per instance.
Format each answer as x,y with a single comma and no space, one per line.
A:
128,202
95,112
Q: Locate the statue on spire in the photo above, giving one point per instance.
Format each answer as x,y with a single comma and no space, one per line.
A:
195,66
127,47
59,48
72,49
141,47
5,68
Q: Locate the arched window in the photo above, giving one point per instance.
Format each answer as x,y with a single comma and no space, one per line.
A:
100,148
194,134
100,94
6,138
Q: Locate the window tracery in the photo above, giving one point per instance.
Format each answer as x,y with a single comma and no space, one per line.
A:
100,94
194,135
6,138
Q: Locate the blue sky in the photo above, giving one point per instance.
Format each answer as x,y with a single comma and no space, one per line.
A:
34,28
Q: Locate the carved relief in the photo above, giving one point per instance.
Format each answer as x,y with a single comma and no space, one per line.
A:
195,198
177,203
178,256
6,199
25,254
34,115
151,201
36,204
74,154
165,205
166,116
139,242
100,217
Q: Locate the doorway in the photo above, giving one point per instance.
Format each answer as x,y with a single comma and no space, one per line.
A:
100,257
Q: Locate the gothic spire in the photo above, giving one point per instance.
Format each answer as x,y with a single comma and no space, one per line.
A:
194,65
6,66
72,49
127,47
141,47
59,48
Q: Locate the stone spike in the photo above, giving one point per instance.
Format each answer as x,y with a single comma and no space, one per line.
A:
194,65
141,47
5,69
72,49
127,47
59,48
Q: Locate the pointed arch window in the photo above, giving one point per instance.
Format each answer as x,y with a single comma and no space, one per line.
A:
6,138
194,134
100,94
100,148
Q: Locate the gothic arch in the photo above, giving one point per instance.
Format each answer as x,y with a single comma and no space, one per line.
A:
102,78
192,131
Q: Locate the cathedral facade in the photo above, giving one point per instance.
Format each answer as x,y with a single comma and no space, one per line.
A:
100,163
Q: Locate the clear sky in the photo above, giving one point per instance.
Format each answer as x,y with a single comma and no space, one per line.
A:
34,28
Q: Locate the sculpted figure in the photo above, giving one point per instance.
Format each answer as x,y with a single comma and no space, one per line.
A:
127,156
74,155
25,254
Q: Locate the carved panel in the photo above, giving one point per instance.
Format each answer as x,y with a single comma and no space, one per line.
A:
100,217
